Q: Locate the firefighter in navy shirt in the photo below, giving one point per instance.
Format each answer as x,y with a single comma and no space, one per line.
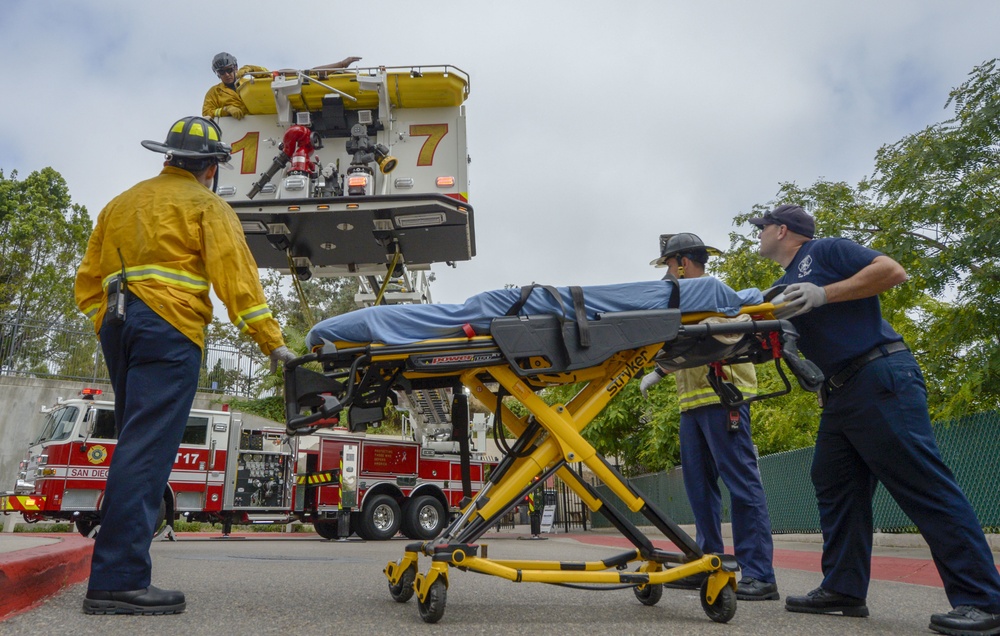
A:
875,427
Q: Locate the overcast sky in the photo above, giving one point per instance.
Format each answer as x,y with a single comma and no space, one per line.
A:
593,127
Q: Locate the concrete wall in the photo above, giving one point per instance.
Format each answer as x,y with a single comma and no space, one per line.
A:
20,420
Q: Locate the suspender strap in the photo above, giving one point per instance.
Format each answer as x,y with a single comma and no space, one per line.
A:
674,302
580,309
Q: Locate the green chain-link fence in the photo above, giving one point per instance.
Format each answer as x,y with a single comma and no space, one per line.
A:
970,446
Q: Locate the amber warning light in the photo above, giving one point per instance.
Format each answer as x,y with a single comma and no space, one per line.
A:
89,393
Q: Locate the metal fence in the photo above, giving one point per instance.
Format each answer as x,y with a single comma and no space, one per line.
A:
970,446
67,353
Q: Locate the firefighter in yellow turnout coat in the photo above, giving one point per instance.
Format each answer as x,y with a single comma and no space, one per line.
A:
222,100
157,247
715,441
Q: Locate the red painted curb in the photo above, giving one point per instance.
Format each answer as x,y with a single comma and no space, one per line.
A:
28,577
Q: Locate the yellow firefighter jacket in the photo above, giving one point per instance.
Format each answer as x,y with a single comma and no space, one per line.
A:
220,95
176,237
693,389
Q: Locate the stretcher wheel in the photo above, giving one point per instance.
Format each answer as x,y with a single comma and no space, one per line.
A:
403,591
432,609
649,594
724,607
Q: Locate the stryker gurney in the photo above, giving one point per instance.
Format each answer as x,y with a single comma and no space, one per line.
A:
597,336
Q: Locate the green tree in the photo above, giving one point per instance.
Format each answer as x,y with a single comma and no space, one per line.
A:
936,194
43,236
931,205
249,373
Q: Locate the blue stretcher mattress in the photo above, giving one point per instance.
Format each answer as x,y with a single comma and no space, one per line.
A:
404,324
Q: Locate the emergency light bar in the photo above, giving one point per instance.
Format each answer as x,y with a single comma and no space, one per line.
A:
89,393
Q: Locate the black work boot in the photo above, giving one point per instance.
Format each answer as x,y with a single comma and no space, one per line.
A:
965,620
147,601
751,589
821,601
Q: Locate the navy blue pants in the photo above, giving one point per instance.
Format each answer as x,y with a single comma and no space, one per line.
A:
708,451
154,373
877,428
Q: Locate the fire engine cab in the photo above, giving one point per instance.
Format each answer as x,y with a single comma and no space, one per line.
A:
225,470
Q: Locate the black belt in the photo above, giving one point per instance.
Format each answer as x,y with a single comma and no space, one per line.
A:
845,374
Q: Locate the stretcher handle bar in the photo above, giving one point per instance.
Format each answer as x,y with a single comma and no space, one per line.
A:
295,425
733,328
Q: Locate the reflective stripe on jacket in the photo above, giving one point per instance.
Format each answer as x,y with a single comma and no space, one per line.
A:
694,390
177,238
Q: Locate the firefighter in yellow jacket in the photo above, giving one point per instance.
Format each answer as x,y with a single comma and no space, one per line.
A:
144,281
715,441
222,100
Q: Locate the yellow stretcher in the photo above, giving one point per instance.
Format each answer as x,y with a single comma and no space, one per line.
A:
522,355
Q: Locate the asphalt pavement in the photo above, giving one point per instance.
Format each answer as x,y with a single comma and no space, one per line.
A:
281,583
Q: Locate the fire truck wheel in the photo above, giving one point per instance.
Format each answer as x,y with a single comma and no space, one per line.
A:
161,519
423,518
432,609
86,525
379,519
326,529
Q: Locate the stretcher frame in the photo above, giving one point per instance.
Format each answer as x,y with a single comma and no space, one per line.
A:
518,359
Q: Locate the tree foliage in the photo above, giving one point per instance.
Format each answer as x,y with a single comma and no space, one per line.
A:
931,204
43,236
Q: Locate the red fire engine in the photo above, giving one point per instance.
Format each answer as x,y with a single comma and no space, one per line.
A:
225,469
386,486
230,470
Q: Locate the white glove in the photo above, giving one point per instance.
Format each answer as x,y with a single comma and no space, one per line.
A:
799,299
281,355
649,380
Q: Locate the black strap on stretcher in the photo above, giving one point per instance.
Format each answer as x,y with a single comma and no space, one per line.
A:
579,309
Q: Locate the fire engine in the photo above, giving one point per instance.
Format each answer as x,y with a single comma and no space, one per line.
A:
230,470
225,470
375,487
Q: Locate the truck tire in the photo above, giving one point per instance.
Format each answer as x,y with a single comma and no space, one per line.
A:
423,518
86,525
161,522
380,519
326,529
